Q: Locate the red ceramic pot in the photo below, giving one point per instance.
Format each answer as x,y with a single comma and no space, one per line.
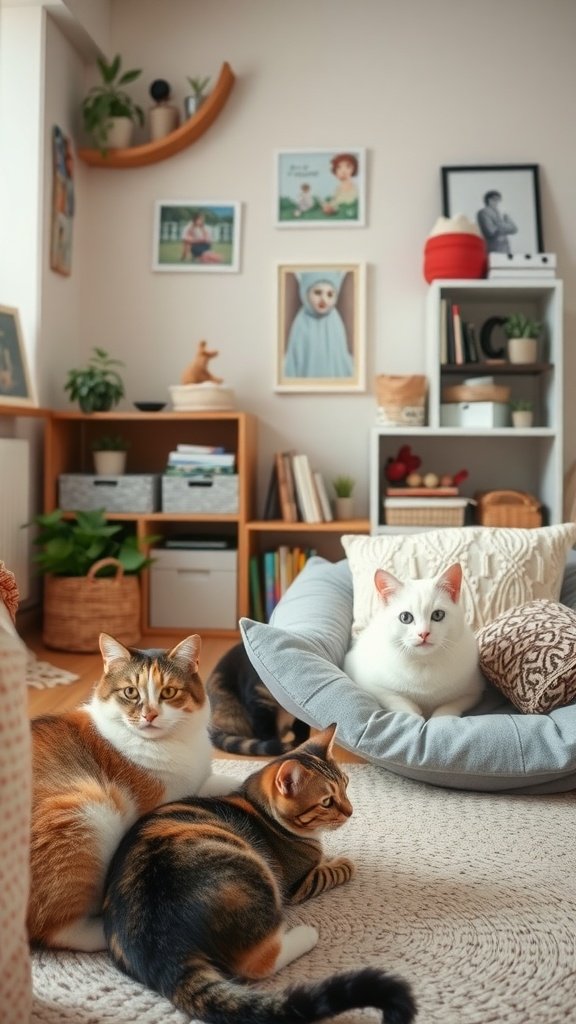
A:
455,256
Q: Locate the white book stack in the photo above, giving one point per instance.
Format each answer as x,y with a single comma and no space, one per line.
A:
507,266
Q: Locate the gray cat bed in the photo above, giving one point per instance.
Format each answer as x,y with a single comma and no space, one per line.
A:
493,748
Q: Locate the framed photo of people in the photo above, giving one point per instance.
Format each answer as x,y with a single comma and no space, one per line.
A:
196,236
320,188
320,330
503,200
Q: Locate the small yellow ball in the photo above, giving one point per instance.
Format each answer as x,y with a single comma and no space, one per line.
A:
414,480
430,480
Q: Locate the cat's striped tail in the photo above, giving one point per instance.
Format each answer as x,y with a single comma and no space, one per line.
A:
247,746
205,994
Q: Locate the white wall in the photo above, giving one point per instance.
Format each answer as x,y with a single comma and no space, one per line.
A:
420,83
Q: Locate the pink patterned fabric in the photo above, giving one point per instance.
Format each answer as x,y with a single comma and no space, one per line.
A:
529,653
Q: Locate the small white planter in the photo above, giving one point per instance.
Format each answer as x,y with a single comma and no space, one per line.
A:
109,463
120,130
522,350
522,417
344,508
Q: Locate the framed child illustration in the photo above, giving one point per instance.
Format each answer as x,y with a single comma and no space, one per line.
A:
321,339
15,385
196,236
320,188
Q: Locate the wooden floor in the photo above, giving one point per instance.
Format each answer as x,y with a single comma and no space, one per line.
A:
89,668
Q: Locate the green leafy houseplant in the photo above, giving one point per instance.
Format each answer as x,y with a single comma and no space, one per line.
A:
343,486
519,326
98,387
521,405
109,100
110,443
71,546
199,86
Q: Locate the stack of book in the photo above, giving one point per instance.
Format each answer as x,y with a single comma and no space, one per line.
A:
296,492
506,266
200,460
458,341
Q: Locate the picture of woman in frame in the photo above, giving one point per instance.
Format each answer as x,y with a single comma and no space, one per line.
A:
318,344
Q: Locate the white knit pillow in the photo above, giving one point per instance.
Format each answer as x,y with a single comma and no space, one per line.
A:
502,567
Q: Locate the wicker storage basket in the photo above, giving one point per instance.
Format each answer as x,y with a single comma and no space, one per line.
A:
78,608
476,393
508,508
432,514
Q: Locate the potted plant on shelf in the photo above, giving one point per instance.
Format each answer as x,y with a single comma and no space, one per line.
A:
110,454
193,103
523,334
91,569
344,502
522,413
108,111
99,386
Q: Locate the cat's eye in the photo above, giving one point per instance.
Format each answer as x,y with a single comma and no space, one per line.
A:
168,692
131,693
327,801
438,615
406,617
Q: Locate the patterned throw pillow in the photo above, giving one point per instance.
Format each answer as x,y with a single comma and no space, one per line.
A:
529,653
503,567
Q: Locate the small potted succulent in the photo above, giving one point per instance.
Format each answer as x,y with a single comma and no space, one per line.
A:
522,413
110,455
99,386
108,111
193,102
344,502
523,334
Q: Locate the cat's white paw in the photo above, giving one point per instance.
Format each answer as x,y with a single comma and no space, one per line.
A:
295,943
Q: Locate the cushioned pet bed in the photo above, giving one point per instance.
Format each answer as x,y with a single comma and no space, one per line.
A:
493,748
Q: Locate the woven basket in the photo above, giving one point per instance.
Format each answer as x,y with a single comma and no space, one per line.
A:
476,393
425,516
508,508
78,608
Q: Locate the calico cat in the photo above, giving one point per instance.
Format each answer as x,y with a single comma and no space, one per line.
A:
244,716
140,741
194,897
418,654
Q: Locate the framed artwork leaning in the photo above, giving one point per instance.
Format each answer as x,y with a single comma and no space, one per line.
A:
320,327
502,199
320,188
197,236
15,384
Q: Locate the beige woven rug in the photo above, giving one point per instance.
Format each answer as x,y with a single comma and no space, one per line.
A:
42,674
470,896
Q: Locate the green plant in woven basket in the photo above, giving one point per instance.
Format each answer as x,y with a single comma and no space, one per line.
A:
71,544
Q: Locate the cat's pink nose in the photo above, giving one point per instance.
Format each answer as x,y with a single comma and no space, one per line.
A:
424,636
150,715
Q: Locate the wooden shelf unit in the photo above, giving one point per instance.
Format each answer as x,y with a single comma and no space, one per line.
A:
68,449
182,137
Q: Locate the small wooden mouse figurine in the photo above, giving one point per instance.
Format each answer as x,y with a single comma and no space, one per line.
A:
197,372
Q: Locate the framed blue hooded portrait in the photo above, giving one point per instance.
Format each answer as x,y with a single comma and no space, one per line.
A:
321,337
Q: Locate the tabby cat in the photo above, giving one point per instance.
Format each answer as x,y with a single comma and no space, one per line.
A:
140,741
244,716
194,897
417,653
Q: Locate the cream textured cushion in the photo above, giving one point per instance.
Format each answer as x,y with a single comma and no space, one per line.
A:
529,653
502,567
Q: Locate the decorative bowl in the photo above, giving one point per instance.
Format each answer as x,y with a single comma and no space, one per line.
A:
206,396
150,406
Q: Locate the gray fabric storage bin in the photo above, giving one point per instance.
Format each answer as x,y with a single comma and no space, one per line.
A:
130,492
214,494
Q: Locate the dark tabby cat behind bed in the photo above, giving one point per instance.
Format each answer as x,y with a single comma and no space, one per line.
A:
195,891
244,716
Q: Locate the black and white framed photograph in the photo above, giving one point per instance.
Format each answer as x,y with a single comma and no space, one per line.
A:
321,335
503,200
196,236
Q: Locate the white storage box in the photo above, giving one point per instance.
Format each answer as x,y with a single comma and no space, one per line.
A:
193,590
130,492
474,414
212,494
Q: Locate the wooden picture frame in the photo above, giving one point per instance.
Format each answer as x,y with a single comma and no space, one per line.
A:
197,236
15,384
503,200
321,344
320,188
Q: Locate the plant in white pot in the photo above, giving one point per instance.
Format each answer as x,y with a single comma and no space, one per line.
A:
344,502
522,413
523,334
108,111
110,455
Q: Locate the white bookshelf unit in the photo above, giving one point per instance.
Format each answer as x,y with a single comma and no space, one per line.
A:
508,457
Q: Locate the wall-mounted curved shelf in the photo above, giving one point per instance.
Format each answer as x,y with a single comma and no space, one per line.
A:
169,145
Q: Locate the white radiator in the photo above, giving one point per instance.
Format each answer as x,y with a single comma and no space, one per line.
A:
15,509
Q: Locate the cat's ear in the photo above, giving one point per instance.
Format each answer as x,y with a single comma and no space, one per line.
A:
288,777
324,739
187,652
386,584
451,581
112,650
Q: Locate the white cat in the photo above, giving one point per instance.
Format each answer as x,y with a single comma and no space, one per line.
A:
417,653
